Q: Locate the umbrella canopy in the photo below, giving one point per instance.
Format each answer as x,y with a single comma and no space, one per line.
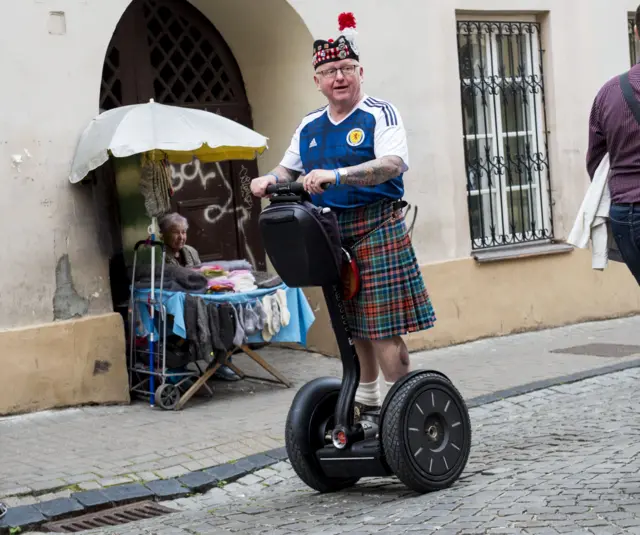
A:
179,134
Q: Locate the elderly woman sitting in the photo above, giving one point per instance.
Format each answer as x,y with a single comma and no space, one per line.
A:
173,228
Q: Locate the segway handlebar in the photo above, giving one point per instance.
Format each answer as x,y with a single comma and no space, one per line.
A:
291,188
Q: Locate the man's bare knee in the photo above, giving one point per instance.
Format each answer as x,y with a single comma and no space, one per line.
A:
404,351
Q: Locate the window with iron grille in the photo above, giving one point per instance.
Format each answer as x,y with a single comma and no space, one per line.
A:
505,138
633,43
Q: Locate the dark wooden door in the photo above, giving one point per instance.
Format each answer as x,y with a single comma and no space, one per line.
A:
167,50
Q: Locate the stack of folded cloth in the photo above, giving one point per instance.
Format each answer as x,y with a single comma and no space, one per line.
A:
211,271
236,276
220,285
243,280
224,266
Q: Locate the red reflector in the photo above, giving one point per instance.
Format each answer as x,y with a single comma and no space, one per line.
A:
342,438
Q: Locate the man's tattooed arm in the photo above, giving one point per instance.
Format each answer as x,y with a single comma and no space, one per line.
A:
284,174
374,172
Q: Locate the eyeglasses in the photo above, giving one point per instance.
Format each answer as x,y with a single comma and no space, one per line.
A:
348,70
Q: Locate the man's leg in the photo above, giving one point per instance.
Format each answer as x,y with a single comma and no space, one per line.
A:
393,356
368,392
625,227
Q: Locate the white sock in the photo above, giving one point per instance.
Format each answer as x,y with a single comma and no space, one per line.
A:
388,384
369,394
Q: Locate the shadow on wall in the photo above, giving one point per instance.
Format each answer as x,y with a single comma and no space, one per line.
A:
272,46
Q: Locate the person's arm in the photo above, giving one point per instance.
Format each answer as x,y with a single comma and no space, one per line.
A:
373,172
391,151
597,147
285,174
196,257
290,168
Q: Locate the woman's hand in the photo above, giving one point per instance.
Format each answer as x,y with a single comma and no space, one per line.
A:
313,181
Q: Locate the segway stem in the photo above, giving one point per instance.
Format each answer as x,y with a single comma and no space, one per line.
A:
288,193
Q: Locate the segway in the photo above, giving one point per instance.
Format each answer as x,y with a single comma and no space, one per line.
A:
421,434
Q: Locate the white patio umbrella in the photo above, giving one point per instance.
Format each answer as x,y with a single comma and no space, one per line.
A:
171,132
161,132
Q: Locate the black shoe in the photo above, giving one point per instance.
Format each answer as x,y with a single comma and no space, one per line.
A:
224,373
361,411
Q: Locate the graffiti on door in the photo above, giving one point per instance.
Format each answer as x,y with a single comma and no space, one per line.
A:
196,172
188,172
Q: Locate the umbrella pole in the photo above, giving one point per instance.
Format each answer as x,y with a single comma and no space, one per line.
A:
152,385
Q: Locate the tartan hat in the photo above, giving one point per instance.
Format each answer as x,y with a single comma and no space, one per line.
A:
344,47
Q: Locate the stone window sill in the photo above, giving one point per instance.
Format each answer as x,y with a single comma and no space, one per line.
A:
516,252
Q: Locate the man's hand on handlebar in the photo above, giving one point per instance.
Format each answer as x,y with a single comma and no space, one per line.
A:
318,180
259,185
290,188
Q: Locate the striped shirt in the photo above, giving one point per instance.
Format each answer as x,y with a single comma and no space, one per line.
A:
613,129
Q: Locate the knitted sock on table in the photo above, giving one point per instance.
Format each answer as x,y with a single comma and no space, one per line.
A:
267,333
250,319
285,315
262,316
369,394
276,318
239,336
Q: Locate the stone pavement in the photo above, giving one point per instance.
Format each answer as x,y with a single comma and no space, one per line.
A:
52,454
559,460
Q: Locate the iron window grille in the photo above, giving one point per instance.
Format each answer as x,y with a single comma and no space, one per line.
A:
505,137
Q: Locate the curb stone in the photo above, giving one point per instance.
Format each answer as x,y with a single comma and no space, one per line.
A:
28,517
200,481
527,388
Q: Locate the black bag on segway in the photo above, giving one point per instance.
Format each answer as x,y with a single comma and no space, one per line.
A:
349,272
303,243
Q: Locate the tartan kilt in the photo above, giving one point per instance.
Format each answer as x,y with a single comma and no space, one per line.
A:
393,299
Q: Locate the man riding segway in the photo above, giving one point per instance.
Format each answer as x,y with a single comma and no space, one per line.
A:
357,144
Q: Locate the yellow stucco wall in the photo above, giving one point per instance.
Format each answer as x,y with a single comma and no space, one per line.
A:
475,300
62,364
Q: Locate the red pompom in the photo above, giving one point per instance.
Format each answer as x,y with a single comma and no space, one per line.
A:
346,20
330,40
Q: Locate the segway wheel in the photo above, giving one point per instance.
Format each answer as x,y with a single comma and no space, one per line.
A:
426,433
310,417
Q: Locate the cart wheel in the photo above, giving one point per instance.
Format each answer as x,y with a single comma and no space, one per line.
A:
167,396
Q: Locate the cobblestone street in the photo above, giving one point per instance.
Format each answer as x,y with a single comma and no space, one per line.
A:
558,460
52,454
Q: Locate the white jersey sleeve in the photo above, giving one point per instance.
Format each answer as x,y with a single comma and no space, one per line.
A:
390,135
291,159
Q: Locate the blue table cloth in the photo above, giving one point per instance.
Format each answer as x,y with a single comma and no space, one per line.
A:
302,316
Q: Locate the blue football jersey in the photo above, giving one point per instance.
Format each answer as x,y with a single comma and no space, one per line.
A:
372,130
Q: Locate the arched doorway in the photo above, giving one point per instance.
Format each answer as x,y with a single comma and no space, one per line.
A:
169,51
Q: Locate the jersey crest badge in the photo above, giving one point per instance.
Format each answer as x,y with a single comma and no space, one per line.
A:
355,137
